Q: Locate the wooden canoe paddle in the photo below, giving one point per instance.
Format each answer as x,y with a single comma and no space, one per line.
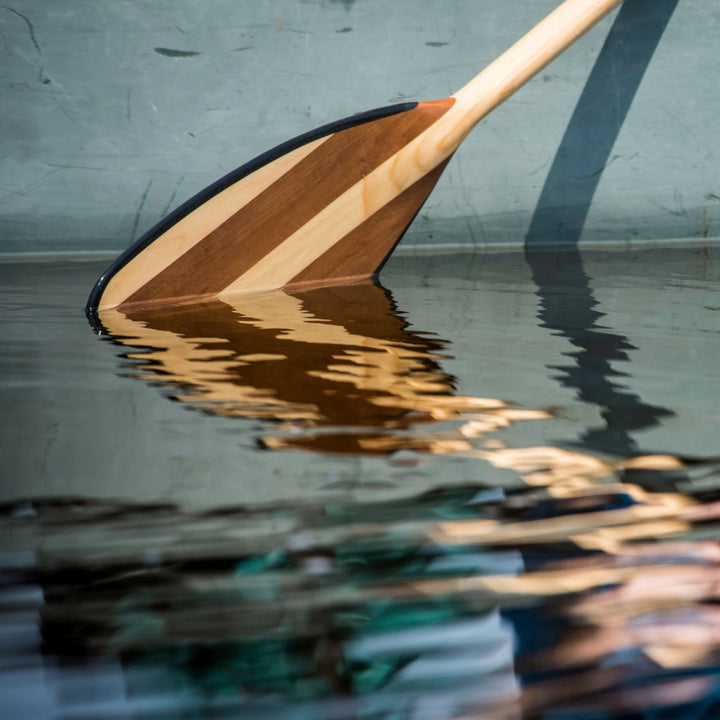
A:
330,205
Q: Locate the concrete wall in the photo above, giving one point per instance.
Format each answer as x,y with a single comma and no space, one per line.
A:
113,112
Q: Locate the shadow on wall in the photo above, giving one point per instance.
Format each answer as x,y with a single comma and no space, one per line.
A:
596,122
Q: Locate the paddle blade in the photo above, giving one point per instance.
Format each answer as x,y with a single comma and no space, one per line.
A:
303,213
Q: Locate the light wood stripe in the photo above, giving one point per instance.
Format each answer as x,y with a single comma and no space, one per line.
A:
193,228
244,240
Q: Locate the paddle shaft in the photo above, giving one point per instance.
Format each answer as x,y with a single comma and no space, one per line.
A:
539,47
497,82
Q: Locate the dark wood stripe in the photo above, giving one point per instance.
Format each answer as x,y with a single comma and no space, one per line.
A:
361,252
256,229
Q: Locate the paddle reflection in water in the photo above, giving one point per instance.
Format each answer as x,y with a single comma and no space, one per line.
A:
339,366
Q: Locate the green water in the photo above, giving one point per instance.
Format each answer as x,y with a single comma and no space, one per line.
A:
486,488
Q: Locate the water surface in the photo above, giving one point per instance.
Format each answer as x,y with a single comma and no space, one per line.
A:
484,488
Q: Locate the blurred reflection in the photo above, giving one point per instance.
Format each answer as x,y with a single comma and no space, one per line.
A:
412,608
337,367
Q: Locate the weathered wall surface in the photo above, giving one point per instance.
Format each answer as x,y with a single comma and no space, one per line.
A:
112,113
